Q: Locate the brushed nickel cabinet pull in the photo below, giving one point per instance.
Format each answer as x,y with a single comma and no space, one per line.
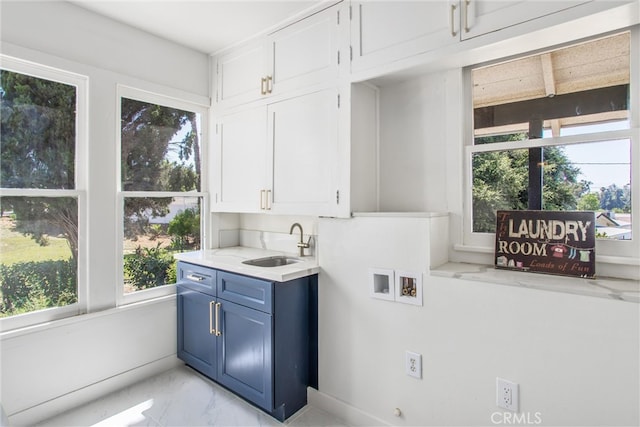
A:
452,16
263,90
212,329
218,333
269,84
466,15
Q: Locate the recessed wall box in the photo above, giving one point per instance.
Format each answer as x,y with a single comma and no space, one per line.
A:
409,287
381,282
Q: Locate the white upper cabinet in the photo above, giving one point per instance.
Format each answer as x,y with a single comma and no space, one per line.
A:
240,75
304,143
305,53
278,158
385,31
239,161
484,16
301,55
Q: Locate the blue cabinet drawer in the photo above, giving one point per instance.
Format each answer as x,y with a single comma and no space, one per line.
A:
198,278
247,291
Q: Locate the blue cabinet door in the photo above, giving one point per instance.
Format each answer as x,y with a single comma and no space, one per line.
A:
245,361
197,344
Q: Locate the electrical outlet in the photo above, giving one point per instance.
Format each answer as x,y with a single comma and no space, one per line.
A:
413,364
507,394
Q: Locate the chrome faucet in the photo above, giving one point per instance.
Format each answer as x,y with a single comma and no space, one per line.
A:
301,244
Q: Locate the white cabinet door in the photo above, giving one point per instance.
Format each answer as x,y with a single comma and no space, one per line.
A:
484,16
240,75
385,31
305,53
279,158
304,137
300,55
239,168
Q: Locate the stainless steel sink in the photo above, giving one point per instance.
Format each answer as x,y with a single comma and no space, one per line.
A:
272,261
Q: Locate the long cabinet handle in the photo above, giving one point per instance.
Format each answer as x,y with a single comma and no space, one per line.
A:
466,15
262,204
268,200
212,330
218,333
196,277
452,22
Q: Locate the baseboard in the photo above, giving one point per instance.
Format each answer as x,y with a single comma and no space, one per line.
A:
91,392
350,415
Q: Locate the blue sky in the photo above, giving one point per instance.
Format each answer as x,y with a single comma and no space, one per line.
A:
602,163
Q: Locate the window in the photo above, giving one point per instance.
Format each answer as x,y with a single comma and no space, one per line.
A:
41,196
553,131
162,198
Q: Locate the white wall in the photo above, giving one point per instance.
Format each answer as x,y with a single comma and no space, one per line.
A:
49,368
67,31
574,357
412,145
56,367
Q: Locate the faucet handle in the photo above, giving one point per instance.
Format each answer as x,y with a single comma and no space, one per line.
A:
303,244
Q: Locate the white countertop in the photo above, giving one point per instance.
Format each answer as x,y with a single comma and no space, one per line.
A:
603,287
230,259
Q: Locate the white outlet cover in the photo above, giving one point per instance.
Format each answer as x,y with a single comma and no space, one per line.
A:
413,364
507,394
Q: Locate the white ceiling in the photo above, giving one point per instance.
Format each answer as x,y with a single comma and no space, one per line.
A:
205,25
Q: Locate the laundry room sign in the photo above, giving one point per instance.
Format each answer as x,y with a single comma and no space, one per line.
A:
554,242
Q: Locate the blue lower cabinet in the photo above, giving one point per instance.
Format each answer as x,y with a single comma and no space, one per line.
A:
256,338
244,353
197,343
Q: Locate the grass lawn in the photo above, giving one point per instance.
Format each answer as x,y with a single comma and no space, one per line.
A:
14,247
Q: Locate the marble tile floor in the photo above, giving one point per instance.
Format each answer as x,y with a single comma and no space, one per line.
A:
181,397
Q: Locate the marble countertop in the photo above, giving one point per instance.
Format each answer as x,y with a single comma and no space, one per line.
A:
618,289
230,259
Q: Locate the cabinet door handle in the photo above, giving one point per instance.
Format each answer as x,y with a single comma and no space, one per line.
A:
218,333
452,22
196,277
268,200
269,84
212,329
262,205
263,90
466,15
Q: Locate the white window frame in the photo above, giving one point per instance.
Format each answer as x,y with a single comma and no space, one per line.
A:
623,252
171,102
80,82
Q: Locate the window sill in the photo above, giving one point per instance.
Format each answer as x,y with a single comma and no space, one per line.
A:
616,289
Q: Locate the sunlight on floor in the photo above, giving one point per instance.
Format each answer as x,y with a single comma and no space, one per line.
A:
129,417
